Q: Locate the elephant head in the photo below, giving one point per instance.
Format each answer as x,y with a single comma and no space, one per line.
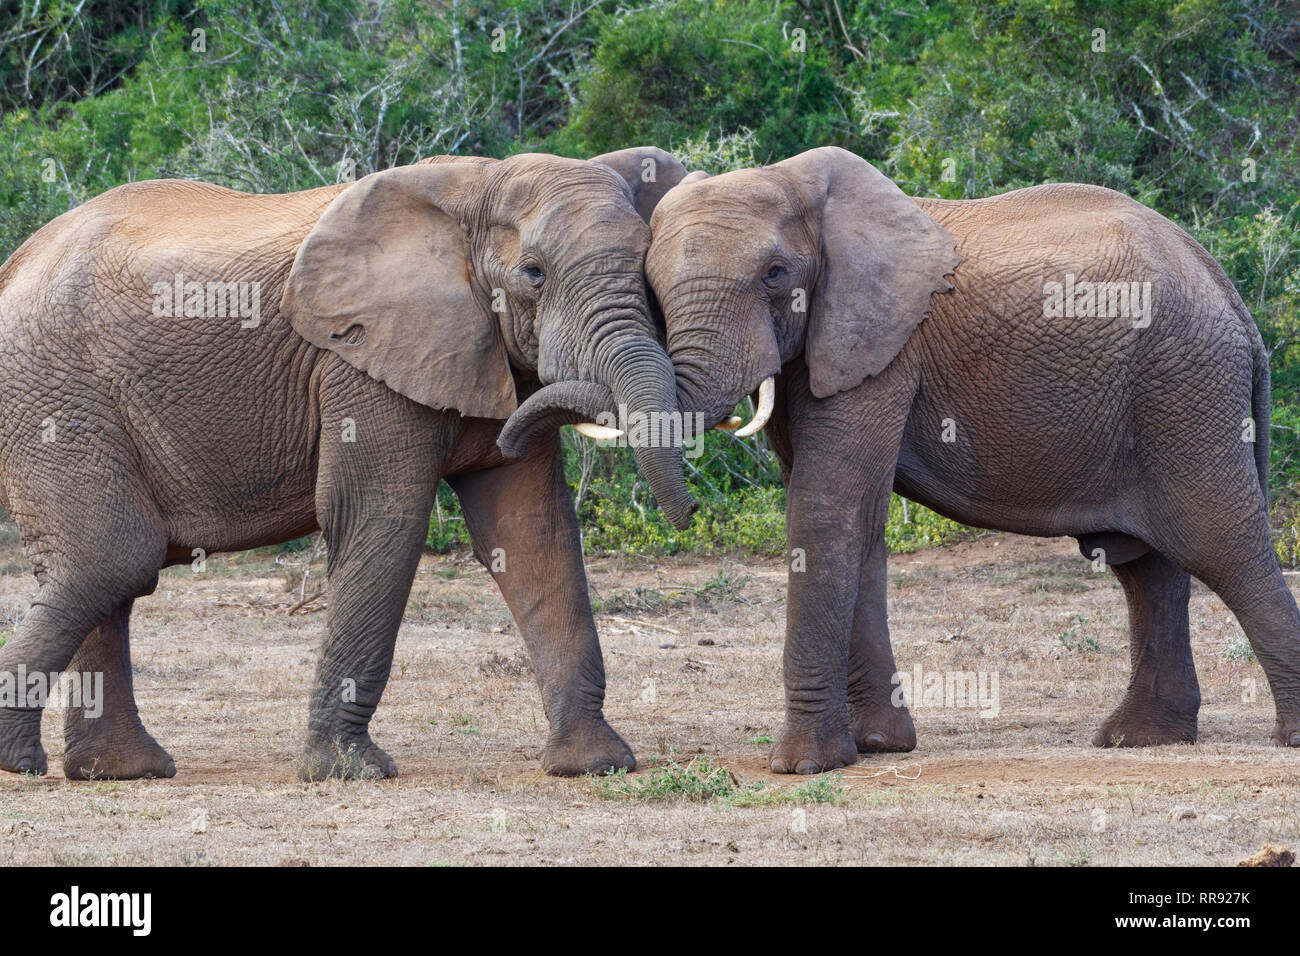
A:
820,255
443,278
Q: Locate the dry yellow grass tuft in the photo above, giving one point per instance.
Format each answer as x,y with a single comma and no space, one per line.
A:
1270,855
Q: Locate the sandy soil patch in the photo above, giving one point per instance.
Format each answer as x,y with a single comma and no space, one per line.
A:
222,674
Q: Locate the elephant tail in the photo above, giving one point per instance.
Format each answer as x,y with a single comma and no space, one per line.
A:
1259,411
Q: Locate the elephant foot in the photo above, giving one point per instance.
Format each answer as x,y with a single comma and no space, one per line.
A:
592,747
882,728
112,748
1286,732
20,741
352,758
812,750
1149,725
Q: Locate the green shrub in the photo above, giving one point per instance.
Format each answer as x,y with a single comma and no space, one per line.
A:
701,781
960,99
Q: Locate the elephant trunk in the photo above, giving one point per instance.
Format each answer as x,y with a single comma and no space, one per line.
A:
644,386
641,397
714,372
564,403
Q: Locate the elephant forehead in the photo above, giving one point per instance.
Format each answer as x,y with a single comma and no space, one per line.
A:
547,183
719,243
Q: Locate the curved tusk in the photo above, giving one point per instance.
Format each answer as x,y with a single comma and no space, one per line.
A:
729,424
766,401
597,432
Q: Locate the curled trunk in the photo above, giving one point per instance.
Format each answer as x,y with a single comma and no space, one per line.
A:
641,383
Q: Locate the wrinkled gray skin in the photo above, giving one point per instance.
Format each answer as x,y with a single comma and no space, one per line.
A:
1129,439
129,439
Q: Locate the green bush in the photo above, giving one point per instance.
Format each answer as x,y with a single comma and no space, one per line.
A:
1190,107
691,67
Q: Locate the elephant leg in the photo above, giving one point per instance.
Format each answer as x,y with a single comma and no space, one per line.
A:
380,461
839,492
84,576
521,520
113,745
1232,553
1163,696
371,564
878,725
46,640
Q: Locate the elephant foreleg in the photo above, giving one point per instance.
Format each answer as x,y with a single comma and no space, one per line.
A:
830,530
380,461
372,563
521,519
878,725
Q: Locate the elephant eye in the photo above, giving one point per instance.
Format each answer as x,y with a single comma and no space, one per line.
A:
774,274
533,274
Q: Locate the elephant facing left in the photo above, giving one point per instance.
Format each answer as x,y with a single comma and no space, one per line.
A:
186,370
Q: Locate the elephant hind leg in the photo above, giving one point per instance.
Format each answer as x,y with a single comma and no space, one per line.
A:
86,571
113,743
61,617
1163,697
1229,548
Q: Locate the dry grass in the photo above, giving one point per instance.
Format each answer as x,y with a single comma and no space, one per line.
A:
222,675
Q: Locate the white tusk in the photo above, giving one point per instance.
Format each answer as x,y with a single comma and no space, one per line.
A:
729,424
766,400
597,432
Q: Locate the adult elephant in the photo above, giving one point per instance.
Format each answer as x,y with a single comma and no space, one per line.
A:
188,369
1086,369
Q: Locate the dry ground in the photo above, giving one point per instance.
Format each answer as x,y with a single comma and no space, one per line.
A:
222,674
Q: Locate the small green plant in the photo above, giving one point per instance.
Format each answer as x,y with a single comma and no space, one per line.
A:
761,740
466,723
701,781
1237,648
1072,641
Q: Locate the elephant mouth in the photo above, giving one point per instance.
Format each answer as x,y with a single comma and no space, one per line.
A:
726,422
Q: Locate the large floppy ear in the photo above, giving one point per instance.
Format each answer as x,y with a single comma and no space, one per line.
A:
882,257
649,172
383,279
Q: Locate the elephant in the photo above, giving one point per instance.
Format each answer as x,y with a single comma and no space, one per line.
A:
1055,361
190,370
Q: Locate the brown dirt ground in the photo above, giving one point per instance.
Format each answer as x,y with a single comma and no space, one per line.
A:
222,674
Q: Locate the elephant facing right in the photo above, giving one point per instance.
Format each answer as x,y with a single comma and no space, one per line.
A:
1086,369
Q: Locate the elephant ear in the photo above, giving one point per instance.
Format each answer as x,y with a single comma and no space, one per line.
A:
649,172
882,258
383,279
